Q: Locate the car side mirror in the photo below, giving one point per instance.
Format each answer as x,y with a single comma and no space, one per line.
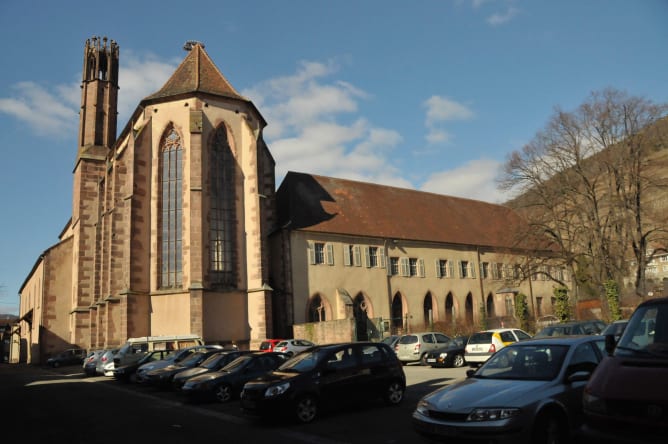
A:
579,376
470,373
610,344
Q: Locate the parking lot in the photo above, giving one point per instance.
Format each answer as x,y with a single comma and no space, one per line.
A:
372,423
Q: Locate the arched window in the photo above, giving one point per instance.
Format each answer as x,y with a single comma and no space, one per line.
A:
222,216
316,310
428,309
171,203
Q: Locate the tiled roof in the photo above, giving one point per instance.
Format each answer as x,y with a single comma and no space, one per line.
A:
330,205
197,73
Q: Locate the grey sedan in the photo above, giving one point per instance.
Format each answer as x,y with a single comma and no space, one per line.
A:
527,392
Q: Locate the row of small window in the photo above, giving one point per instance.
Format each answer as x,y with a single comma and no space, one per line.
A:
374,257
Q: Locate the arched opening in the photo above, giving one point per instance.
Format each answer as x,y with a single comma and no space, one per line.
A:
450,311
397,314
316,310
428,310
491,312
469,309
360,307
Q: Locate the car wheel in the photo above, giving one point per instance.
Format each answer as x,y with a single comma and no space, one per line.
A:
458,361
549,429
306,409
394,393
423,359
223,393
55,364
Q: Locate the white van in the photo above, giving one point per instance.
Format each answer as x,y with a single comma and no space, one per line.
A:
135,348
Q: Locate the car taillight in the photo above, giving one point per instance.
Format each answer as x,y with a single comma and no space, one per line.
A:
492,348
416,349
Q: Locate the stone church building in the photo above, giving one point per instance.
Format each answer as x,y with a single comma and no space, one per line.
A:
177,228
168,233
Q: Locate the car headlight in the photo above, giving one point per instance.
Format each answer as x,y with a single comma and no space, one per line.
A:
443,355
593,403
276,390
423,407
492,414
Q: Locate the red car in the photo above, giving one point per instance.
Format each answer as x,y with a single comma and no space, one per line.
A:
269,344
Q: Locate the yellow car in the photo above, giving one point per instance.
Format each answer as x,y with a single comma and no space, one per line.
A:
484,344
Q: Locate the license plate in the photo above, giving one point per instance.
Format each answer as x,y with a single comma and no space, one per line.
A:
431,360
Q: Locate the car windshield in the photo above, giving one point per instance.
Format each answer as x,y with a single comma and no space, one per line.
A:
192,359
646,334
408,339
526,362
303,362
481,338
212,361
241,361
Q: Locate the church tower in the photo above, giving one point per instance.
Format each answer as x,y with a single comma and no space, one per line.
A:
97,134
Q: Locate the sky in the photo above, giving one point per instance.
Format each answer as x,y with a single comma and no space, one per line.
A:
431,95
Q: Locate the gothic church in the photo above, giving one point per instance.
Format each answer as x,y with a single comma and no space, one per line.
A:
168,233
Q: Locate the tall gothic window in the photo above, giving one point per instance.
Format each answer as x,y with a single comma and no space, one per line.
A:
171,204
222,219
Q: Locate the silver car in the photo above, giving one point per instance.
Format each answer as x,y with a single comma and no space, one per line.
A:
415,346
528,392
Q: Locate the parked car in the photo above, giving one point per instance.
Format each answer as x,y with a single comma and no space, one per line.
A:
327,376
615,328
213,363
162,377
484,344
527,392
293,346
449,355
226,383
544,321
593,327
268,344
391,341
414,347
90,362
176,357
625,400
128,372
71,356
105,365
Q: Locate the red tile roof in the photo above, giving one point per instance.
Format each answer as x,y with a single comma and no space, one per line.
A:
197,73
339,206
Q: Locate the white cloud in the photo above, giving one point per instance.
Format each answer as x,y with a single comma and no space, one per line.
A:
504,17
314,124
54,111
42,110
474,180
315,127
441,110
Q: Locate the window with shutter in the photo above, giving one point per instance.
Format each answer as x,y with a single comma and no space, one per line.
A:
330,254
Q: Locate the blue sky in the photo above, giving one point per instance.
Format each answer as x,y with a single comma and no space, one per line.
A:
431,95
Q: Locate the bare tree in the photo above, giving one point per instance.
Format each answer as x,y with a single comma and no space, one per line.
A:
592,182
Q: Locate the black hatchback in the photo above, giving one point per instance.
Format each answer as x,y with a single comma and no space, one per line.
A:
327,376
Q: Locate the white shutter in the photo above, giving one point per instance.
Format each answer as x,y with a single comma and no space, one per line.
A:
459,268
420,270
357,260
472,264
381,257
451,269
367,258
311,253
405,267
330,254
346,255
438,268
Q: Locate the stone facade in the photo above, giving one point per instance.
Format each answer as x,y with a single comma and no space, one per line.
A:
106,285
